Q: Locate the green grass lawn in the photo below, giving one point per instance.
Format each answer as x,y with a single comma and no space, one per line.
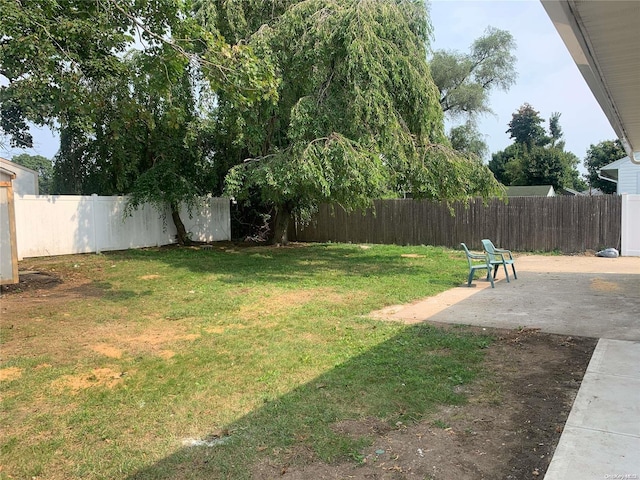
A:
257,352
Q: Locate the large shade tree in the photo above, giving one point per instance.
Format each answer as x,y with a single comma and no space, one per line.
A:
53,54
358,115
127,126
466,80
148,138
48,52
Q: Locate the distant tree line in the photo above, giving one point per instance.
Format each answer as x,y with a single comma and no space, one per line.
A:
536,156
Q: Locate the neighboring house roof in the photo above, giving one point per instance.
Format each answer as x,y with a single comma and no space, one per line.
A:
9,165
531,191
610,171
570,192
7,173
592,192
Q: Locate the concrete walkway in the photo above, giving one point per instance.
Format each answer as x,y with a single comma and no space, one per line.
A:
601,438
579,296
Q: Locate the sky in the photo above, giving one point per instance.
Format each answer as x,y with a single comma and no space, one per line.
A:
548,79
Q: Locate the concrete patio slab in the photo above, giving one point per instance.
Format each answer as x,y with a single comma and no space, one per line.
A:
601,299
574,296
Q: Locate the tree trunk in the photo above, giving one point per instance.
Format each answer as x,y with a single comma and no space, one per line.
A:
182,235
281,225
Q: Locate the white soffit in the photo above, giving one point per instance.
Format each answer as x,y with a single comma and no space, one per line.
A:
603,38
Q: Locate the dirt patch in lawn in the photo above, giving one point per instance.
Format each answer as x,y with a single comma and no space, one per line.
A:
29,304
508,428
98,377
10,373
276,303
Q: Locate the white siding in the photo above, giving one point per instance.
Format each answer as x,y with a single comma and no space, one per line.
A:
629,178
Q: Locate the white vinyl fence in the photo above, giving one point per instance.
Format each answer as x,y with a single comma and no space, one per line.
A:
630,226
66,224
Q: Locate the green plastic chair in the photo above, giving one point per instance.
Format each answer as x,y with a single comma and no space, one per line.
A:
473,260
499,256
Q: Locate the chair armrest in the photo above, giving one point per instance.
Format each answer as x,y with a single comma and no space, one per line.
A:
499,257
477,256
503,251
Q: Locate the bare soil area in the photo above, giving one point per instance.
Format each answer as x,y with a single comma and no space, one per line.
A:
508,429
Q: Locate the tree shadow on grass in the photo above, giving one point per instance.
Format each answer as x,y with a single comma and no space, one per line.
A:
399,380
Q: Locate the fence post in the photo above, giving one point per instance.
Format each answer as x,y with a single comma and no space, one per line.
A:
630,231
94,226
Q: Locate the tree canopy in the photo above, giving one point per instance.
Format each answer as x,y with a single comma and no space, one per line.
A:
467,139
288,102
119,80
466,80
526,127
40,164
597,157
535,157
357,116
55,53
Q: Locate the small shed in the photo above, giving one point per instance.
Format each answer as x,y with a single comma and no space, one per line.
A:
624,173
8,244
25,181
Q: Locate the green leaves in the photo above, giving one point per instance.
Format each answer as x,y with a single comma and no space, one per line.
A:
48,53
465,81
355,112
329,100
536,158
597,157
525,127
40,164
55,54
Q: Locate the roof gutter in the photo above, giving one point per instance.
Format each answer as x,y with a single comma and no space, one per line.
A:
570,26
609,179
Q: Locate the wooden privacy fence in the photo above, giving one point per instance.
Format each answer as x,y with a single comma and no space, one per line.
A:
563,223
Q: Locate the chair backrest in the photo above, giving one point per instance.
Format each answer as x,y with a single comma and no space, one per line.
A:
489,248
466,250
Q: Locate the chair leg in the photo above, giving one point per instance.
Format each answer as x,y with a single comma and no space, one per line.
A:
514,271
506,272
495,270
469,280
